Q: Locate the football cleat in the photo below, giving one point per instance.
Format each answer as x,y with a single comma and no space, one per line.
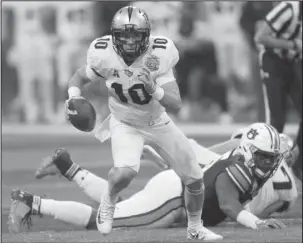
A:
105,216
47,168
202,233
23,206
59,164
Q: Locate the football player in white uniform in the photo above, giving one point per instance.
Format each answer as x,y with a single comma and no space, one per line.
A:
160,203
137,69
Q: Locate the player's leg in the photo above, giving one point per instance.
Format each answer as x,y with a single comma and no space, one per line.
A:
296,96
159,205
172,145
273,90
25,204
46,79
297,168
127,145
60,163
203,155
27,94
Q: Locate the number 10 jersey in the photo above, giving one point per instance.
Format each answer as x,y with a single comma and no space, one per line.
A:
128,99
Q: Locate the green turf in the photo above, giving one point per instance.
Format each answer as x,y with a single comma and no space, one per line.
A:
21,156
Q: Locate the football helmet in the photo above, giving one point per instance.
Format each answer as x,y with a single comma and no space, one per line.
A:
130,31
260,145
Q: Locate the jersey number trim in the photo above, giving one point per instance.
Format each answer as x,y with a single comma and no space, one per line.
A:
133,92
158,43
102,43
161,42
285,185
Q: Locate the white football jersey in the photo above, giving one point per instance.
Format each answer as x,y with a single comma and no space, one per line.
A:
280,187
128,99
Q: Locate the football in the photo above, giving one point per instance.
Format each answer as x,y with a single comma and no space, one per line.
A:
84,118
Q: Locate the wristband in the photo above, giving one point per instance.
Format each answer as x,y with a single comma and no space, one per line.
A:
158,94
248,219
74,92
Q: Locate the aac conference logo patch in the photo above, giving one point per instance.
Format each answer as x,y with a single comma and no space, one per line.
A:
152,63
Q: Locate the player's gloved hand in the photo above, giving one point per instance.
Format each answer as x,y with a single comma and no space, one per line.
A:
68,109
270,223
145,77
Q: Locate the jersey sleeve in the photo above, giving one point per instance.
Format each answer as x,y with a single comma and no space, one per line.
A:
168,58
94,62
240,176
279,16
284,183
166,78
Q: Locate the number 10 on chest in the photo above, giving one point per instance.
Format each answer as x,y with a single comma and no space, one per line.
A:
136,94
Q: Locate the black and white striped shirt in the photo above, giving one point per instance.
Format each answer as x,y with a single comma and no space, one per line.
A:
286,23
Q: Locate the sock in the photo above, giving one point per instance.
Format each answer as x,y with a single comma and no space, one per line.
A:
36,204
66,166
194,205
67,211
92,185
110,197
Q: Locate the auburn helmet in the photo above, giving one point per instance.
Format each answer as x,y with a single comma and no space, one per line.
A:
260,145
130,19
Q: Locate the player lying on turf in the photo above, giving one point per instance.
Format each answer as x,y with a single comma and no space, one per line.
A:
231,182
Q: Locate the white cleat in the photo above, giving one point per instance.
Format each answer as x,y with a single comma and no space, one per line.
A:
203,234
105,217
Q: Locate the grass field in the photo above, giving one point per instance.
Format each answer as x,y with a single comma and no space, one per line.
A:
21,154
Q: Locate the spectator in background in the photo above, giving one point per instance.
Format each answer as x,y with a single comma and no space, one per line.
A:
9,80
103,13
280,40
32,56
231,50
74,25
197,68
253,12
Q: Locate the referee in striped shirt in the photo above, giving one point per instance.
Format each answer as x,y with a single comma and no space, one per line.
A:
279,40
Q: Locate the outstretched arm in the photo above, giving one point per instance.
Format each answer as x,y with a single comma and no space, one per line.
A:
228,197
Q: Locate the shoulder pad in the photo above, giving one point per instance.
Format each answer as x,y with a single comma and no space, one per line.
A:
240,175
165,49
98,51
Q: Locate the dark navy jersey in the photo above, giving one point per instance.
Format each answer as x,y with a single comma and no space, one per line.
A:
238,173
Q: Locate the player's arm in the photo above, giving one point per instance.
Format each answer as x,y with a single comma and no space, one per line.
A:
228,197
164,88
274,22
91,72
171,99
77,82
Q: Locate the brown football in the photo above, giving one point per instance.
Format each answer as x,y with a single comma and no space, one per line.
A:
85,119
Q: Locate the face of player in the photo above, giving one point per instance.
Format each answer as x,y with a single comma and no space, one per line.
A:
265,163
131,42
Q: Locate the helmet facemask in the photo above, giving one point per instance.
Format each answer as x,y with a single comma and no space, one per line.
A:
130,43
263,164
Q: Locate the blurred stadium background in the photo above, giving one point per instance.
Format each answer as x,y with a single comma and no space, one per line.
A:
43,43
